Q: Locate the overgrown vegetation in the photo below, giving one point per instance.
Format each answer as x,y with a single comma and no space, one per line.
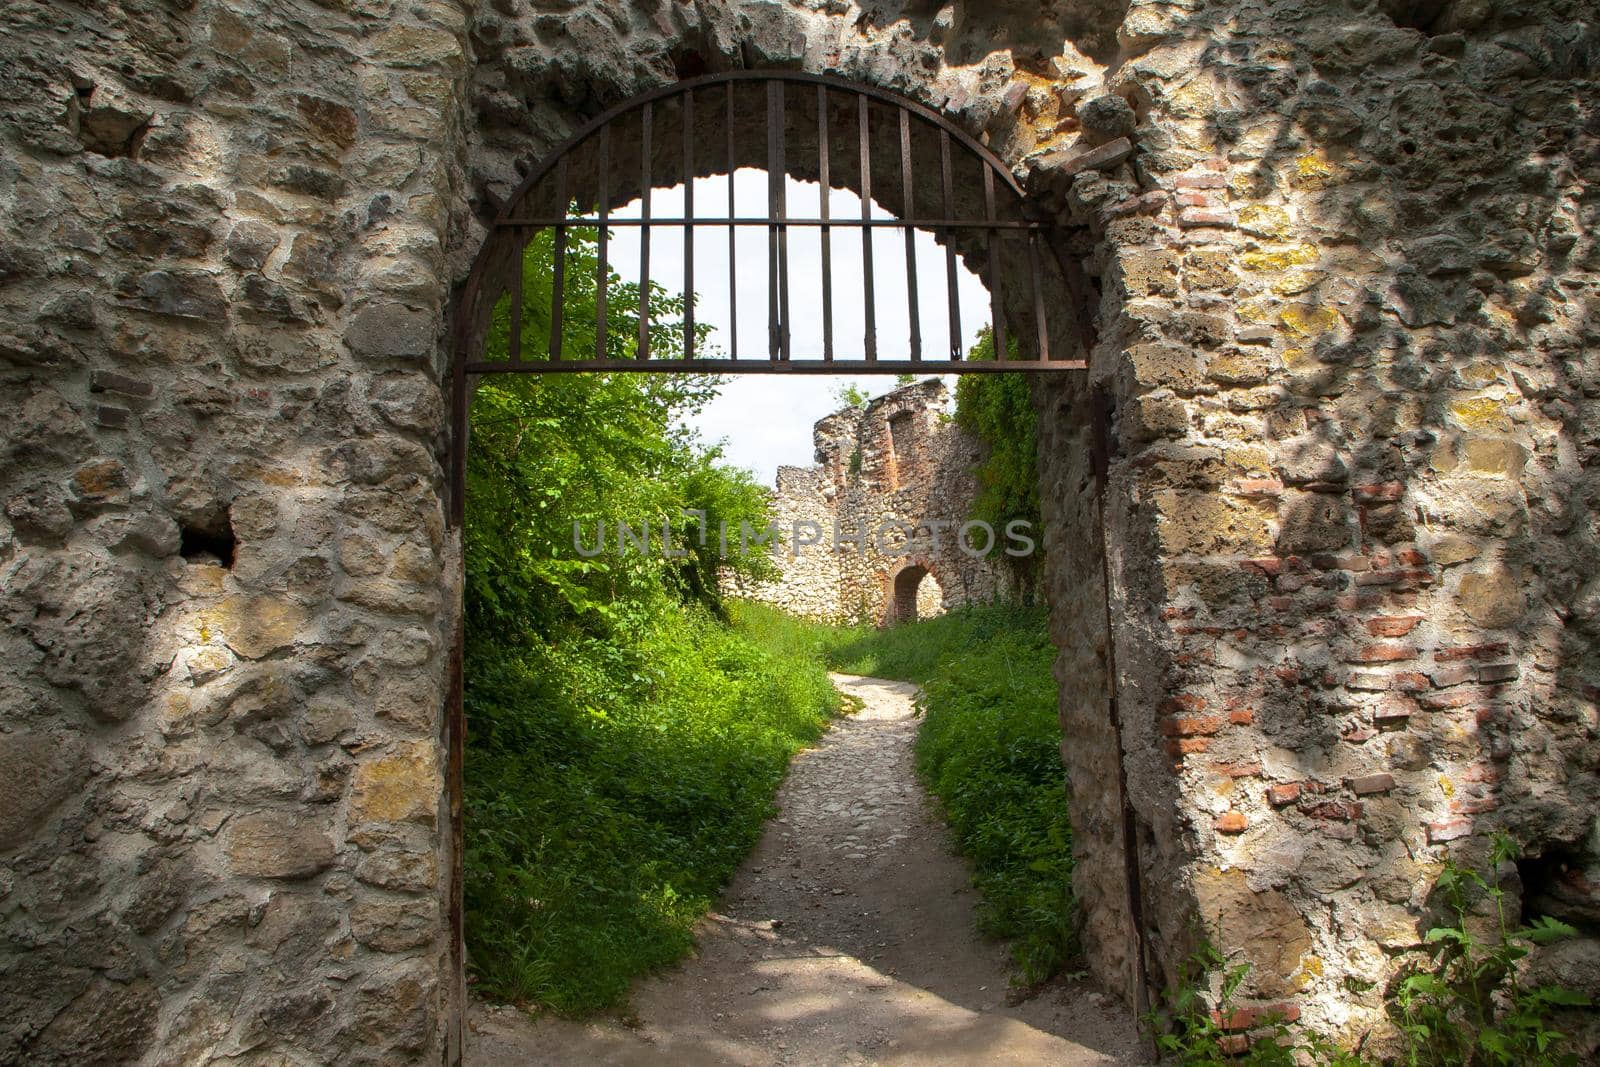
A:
998,410
1463,1004
989,750
626,732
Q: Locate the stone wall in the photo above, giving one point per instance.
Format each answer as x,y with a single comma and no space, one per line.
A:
227,585
1348,317
1345,331
897,460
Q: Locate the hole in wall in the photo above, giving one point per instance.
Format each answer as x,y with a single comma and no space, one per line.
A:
212,542
1562,884
1423,15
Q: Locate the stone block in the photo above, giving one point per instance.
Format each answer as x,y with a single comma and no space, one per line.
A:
41,770
277,845
403,786
255,626
1493,598
391,331
1262,927
396,925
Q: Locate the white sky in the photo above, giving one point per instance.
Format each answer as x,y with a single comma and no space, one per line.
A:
766,418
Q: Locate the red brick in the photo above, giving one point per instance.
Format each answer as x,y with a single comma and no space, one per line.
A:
1369,681
1193,218
1168,614
1199,181
1392,713
1392,625
1410,557
1376,492
1258,487
1474,805
1179,747
1334,810
1231,822
1286,793
1490,651
1356,734
1454,698
1191,725
1382,652
1448,830
1370,783
1481,772
1242,717
1234,1044
1409,682
1198,198
1249,1017
1237,770
1445,677
1181,702
1499,672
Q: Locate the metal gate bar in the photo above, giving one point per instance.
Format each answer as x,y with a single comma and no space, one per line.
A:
985,221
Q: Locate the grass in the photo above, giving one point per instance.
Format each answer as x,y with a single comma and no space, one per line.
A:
613,790
989,750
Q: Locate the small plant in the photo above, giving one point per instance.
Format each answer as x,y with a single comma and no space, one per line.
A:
851,395
1189,1031
1466,1004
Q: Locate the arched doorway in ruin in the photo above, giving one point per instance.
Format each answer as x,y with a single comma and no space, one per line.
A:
915,593
922,171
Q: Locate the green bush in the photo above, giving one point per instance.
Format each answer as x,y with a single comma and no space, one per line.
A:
612,790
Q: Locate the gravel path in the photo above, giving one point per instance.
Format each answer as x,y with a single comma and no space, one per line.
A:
846,938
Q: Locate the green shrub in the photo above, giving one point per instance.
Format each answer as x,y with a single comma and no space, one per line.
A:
624,736
613,789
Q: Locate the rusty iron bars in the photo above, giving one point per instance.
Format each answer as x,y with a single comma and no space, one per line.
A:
730,99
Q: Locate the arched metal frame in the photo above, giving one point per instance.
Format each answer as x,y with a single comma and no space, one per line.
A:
498,269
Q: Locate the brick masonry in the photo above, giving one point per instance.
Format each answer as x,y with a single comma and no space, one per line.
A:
1346,292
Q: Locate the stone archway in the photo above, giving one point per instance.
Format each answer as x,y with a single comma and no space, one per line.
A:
1343,490
908,599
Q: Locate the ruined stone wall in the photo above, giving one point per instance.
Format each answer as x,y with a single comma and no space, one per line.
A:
1346,291
1347,328
901,460
227,586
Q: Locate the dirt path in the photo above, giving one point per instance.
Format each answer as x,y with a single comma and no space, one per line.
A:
846,938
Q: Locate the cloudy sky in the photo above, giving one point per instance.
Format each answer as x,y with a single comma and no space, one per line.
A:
766,418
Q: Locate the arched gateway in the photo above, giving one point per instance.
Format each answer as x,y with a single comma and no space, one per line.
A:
914,171
891,150
1336,431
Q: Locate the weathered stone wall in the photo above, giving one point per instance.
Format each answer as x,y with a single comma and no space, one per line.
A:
225,577
897,460
1346,324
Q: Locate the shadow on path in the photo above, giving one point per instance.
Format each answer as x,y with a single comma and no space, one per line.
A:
846,938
